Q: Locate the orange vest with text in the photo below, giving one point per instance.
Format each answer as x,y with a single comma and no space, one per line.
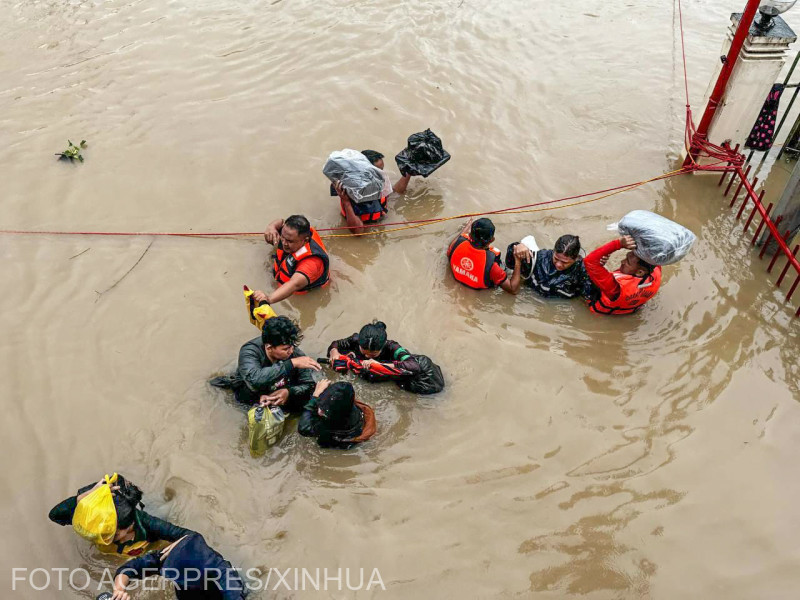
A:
470,265
634,292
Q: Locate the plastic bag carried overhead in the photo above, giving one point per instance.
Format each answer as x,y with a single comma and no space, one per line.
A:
659,241
360,178
423,155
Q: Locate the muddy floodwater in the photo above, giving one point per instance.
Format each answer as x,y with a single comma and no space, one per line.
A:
571,456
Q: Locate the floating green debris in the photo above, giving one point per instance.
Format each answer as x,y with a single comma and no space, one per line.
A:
72,152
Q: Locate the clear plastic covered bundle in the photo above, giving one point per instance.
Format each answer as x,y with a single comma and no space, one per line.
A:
659,241
360,178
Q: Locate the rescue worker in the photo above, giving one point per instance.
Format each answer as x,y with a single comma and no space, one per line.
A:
358,213
373,356
336,418
475,263
272,370
556,273
137,531
197,572
300,261
623,291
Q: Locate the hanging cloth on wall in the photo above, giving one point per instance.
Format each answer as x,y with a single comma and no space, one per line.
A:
763,133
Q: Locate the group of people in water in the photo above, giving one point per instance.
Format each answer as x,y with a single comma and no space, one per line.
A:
272,370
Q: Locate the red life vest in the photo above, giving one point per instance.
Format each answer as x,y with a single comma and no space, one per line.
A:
285,265
470,265
367,211
634,292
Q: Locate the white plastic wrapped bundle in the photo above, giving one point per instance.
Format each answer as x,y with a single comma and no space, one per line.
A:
659,241
360,178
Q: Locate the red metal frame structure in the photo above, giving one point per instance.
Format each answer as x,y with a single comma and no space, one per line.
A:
698,147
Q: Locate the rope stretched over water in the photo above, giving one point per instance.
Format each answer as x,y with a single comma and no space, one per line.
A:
377,228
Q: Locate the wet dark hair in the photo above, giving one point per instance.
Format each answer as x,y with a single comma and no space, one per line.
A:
569,245
645,265
372,336
299,223
279,331
337,404
126,499
373,156
482,232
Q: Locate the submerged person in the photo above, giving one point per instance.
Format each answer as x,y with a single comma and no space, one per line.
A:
556,273
136,530
377,358
623,291
197,572
475,263
335,418
272,370
300,261
358,213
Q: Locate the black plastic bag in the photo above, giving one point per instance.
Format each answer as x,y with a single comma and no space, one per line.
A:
429,381
423,155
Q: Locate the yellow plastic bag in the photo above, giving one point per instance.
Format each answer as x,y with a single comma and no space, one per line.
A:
265,426
95,517
257,314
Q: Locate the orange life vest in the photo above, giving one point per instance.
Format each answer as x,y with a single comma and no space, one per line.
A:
285,264
470,265
367,211
634,292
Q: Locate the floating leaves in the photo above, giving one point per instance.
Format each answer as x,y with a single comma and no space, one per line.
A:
72,152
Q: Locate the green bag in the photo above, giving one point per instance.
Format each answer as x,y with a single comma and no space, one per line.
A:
265,426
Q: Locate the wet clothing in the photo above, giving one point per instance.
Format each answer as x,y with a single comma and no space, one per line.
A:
147,529
615,292
306,260
478,268
368,212
347,421
256,375
543,277
392,353
763,133
197,571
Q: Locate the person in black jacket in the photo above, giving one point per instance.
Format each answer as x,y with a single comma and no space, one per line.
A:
272,370
378,358
556,273
371,345
136,530
197,571
335,418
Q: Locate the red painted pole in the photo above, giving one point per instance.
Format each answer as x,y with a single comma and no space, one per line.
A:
722,81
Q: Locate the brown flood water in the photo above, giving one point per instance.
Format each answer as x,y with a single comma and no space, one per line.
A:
570,456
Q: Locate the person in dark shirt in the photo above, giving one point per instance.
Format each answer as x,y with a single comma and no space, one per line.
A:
136,530
272,370
556,273
335,418
371,345
197,571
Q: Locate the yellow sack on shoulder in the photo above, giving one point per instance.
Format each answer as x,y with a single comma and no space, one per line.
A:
257,314
95,517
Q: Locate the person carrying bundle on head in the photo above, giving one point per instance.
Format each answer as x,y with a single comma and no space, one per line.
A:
359,212
625,290
475,263
300,260
370,354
